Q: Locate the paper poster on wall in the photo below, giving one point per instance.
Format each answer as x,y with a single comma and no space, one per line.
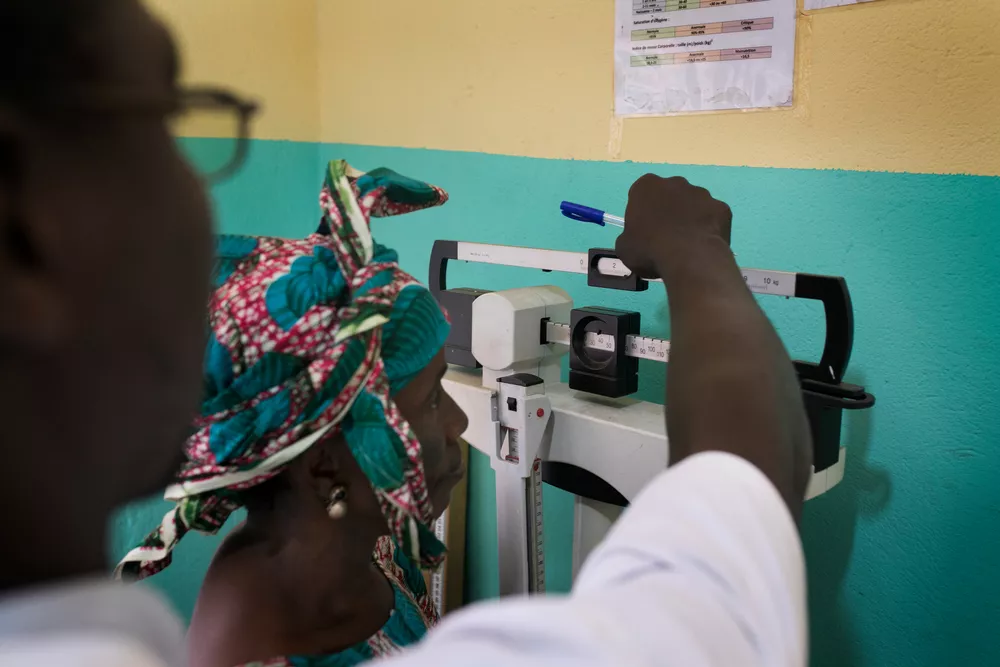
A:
823,4
680,56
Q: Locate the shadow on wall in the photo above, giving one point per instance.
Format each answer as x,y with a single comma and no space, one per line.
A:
828,527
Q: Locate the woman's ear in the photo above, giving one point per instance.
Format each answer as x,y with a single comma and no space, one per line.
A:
322,466
328,473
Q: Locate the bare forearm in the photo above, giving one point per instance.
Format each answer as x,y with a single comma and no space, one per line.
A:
730,383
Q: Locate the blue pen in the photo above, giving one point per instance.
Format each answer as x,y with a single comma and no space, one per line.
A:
587,214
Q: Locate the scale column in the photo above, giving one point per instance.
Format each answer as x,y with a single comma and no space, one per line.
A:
522,412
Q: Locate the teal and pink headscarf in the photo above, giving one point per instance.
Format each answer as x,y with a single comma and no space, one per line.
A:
310,338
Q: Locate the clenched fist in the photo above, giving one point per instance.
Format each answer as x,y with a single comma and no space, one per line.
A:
666,216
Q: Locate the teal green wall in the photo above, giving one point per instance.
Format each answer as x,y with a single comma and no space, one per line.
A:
901,554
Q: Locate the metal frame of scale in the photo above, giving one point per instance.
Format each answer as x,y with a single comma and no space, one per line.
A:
587,437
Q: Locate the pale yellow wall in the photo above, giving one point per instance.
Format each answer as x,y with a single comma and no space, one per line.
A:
900,85
903,85
266,49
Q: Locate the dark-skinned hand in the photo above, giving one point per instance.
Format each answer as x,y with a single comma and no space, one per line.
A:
666,216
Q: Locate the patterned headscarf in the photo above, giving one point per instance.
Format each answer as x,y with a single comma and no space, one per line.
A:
310,338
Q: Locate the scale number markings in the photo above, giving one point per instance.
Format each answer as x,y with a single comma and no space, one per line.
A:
437,578
596,341
643,347
781,283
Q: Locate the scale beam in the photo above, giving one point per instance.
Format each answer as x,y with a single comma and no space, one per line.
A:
640,347
604,269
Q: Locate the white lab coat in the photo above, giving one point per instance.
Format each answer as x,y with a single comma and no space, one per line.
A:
705,569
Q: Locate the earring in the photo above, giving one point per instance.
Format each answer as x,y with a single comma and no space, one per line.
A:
336,508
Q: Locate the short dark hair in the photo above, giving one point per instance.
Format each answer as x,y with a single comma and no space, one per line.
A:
45,45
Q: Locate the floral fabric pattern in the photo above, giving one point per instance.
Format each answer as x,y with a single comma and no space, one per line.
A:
309,339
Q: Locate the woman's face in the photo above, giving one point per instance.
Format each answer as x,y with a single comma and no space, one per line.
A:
439,424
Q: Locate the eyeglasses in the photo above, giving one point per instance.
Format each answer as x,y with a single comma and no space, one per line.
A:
211,125
212,129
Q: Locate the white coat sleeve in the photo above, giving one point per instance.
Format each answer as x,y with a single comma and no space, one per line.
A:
705,569
77,650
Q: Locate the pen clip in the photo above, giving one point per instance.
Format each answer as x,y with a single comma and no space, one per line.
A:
582,213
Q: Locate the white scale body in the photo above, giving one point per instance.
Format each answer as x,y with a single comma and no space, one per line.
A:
622,441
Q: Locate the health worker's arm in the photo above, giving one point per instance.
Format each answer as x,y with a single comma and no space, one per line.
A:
705,569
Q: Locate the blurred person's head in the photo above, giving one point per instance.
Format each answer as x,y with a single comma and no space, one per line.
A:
105,252
323,410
